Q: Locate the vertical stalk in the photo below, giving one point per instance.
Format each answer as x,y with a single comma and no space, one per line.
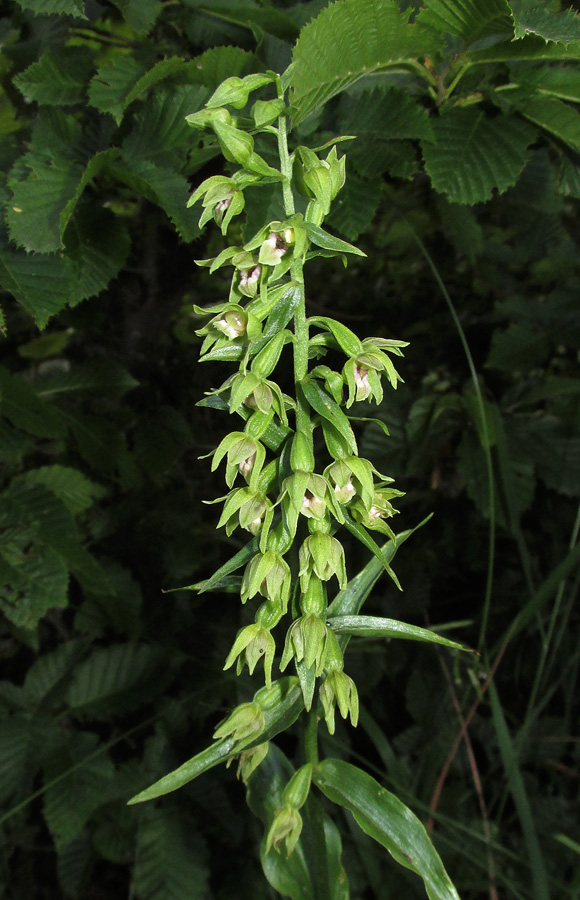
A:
317,851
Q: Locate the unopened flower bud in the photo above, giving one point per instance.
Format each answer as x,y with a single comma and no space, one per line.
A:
286,826
249,281
245,723
250,759
233,324
339,690
306,640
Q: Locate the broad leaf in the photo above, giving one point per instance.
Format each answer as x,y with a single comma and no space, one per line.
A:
354,209
57,80
112,84
115,680
470,20
163,186
532,17
219,63
55,7
347,41
160,131
139,14
384,111
170,858
551,114
473,155
76,491
70,800
530,47
376,626
21,405
276,720
386,819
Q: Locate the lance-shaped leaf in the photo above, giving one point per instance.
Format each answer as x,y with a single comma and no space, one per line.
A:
323,404
386,819
322,238
348,40
473,155
364,537
345,338
376,626
276,719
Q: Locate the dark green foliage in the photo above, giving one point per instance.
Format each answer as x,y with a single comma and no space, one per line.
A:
467,137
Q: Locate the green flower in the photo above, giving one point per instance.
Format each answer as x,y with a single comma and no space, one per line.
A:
253,644
244,456
247,508
286,826
362,373
249,760
352,476
244,723
338,689
322,555
373,517
269,575
306,640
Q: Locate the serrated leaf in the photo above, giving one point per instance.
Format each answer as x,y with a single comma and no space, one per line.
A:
269,20
21,405
57,80
170,858
376,626
219,63
139,14
39,515
533,18
385,111
112,84
551,114
530,47
69,802
97,244
165,187
73,865
355,207
86,380
48,672
32,584
348,40
114,680
470,20
34,210
386,819
160,128
24,739
75,490
55,7
473,155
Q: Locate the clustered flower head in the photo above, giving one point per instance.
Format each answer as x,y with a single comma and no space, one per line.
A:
279,493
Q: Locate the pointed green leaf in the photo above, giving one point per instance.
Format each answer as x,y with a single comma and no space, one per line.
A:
139,14
533,18
322,238
530,47
386,819
163,186
551,114
473,155
323,404
470,20
376,626
55,7
170,858
276,720
114,680
369,542
57,79
348,40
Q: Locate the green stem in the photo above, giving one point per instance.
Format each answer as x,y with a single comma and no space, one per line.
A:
301,334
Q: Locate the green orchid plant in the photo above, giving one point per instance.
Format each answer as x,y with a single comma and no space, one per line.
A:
296,483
